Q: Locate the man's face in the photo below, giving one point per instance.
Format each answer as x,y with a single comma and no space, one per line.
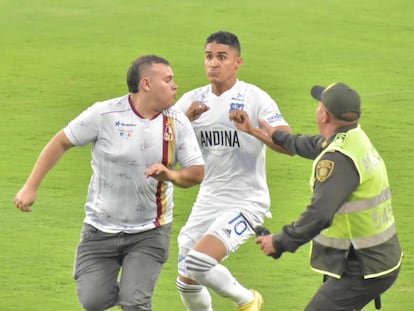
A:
221,62
162,85
321,114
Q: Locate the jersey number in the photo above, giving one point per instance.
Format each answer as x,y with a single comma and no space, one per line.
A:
239,224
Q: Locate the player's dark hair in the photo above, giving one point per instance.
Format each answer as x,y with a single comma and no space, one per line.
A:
227,38
138,66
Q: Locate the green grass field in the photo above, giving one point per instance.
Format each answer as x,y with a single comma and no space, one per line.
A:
58,57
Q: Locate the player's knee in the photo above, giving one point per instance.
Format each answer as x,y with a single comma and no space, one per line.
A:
95,300
186,287
198,265
91,302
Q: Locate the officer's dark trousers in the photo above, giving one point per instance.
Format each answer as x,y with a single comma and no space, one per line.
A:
350,293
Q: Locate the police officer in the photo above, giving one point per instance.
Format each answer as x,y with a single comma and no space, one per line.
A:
349,220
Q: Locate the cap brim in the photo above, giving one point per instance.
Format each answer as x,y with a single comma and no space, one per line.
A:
317,91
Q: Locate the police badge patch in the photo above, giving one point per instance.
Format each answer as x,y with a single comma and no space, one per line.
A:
324,170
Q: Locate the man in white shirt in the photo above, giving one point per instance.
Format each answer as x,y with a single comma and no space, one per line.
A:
234,187
137,140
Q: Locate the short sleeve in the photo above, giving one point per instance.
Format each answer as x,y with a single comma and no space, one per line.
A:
84,129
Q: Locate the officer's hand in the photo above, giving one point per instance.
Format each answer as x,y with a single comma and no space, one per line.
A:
266,244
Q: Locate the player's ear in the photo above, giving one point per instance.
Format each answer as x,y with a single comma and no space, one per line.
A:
145,84
323,114
238,63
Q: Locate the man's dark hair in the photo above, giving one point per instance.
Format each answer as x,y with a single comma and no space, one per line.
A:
138,66
227,38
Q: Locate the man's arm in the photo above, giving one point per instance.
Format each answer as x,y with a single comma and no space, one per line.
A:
185,177
307,147
327,198
50,155
242,122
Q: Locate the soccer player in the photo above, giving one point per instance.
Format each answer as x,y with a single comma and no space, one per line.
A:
235,179
136,142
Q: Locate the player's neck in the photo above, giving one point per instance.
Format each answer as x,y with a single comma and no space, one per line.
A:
142,108
218,88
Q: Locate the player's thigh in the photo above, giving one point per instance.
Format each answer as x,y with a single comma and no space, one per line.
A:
193,230
97,266
93,250
142,264
228,227
231,229
139,277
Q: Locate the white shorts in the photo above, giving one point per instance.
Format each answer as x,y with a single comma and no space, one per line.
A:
230,227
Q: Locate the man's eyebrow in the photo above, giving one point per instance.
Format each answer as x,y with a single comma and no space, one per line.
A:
220,53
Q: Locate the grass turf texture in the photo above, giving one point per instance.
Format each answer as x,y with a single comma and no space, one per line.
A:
57,58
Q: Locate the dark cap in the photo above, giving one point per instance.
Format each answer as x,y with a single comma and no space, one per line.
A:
339,99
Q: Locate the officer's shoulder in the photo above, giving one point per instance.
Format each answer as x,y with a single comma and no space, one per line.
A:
327,164
334,156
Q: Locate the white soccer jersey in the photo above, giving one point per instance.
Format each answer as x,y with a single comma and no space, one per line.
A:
124,145
235,169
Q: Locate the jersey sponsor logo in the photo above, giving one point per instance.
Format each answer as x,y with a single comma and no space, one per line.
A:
125,134
237,103
274,118
121,124
239,97
219,138
324,170
236,106
202,99
125,129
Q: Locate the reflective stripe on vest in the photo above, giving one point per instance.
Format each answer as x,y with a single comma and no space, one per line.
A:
358,243
366,222
357,206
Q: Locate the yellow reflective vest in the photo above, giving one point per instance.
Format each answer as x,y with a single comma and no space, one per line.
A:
365,221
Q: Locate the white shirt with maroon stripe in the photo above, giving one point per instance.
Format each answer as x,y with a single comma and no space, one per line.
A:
124,145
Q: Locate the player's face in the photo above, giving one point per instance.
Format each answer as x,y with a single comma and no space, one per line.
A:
221,63
162,85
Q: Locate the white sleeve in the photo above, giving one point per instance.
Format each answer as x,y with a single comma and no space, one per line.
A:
188,149
84,129
269,110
